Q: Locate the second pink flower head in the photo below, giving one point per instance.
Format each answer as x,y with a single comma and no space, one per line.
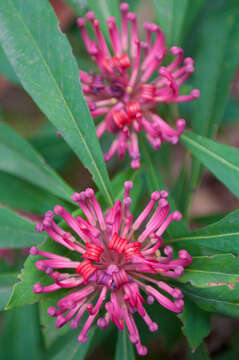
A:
131,83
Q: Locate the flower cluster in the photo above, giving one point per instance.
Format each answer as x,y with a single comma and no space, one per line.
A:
118,259
127,90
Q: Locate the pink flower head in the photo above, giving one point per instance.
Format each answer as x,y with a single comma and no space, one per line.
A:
123,90
113,264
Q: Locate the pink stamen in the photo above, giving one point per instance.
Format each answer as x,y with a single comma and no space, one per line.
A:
115,36
124,7
134,33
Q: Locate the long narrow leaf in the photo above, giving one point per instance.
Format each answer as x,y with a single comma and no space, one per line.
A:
219,299
42,58
19,158
222,160
75,350
23,196
17,232
214,270
222,236
216,62
7,281
6,69
170,15
124,348
21,338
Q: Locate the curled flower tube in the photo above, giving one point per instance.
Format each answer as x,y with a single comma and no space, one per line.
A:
117,267
131,83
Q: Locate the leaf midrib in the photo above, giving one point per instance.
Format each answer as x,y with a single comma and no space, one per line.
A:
203,237
18,14
210,272
210,299
205,150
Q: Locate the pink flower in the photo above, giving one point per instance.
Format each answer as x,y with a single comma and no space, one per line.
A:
113,263
123,90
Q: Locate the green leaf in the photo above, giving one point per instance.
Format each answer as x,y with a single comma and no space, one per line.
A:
53,148
220,299
133,4
180,189
6,69
124,348
171,14
215,270
192,12
220,159
223,236
7,280
42,58
77,5
200,354
74,350
19,158
216,277
231,115
21,338
216,60
23,196
208,219
17,232
103,10
196,323
215,64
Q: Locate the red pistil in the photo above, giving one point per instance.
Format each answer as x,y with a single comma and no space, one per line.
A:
123,61
121,118
93,252
132,249
86,269
118,244
117,63
133,109
147,91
